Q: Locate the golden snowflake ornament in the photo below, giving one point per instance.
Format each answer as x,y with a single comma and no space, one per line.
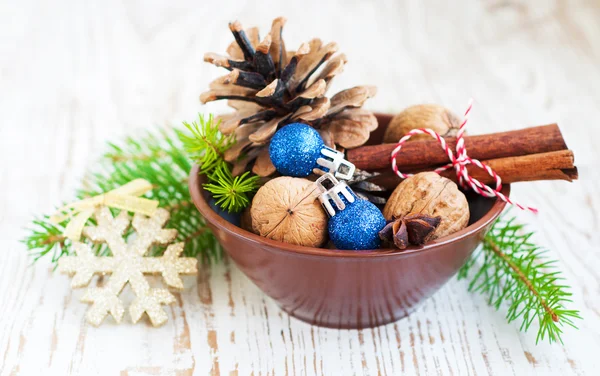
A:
128,264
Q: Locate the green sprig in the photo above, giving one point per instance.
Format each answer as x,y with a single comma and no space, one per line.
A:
513,271
206,146
46,238
231,192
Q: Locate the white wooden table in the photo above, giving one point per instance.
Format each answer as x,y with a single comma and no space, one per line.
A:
74,74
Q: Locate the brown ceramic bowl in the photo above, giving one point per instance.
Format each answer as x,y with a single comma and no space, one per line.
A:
348,289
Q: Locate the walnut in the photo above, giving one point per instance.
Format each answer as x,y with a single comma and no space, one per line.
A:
285,209
433,195
246,219
432,116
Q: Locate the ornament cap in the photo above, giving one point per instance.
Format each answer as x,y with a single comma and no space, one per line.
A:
331,188
333,161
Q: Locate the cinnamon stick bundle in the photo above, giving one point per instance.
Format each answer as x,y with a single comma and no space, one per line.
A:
537,153
557,165
423,154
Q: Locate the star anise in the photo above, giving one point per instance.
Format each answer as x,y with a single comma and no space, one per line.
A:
413,229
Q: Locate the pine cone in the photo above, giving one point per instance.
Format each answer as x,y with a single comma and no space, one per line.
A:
367,190
269,87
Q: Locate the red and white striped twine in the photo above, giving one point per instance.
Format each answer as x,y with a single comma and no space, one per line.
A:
460,163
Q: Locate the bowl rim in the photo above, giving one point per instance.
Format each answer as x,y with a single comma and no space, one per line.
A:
195,181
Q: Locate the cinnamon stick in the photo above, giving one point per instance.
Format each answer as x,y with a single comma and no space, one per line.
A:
557,165
422,154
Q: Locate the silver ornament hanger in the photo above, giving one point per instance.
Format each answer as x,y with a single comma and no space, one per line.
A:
331,188
333,161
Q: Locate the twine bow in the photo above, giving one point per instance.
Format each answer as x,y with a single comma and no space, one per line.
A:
460,163
124,198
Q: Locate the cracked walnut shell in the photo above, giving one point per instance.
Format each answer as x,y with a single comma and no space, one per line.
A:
433,195
286,209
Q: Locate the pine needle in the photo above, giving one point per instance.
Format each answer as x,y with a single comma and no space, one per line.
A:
513,271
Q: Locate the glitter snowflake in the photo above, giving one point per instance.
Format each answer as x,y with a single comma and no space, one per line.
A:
128,264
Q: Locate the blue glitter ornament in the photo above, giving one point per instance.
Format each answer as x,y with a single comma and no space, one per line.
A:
298,150
354,223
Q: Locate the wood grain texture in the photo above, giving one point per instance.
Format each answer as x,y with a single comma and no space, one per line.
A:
74,74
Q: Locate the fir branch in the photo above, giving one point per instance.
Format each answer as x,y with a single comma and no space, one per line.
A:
157,157
206,146
46,238
231,193
515,272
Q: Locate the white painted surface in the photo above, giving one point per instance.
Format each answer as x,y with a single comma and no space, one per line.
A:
74,74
